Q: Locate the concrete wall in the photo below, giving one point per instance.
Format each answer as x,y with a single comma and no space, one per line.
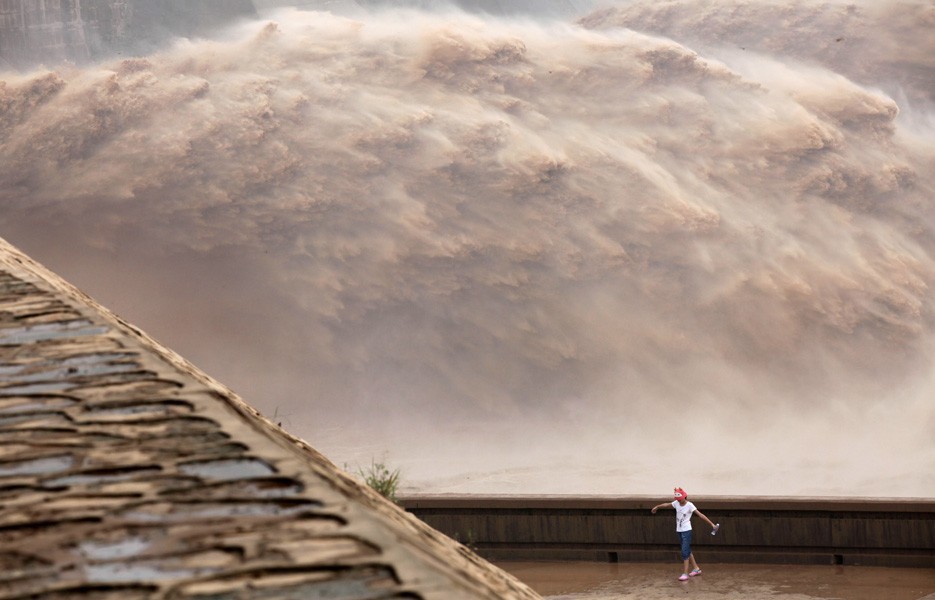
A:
34,32
773,530
43,28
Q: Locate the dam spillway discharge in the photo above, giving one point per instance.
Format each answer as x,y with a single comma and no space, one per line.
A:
543,245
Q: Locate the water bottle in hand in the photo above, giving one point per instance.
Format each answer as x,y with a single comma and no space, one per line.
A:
716,527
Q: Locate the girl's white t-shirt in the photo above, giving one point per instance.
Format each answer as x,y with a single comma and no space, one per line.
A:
683,515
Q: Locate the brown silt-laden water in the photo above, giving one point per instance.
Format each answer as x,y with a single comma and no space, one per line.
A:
613,251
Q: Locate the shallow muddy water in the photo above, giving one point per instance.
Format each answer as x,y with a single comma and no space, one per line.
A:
606,581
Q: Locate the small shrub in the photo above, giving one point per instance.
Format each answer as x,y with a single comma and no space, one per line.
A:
381,479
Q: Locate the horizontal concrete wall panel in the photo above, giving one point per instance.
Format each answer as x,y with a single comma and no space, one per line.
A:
868,531
783,530
772,530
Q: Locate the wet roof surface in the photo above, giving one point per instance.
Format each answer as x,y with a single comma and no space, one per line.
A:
127,473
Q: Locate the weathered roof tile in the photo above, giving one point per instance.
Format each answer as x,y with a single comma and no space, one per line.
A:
125,472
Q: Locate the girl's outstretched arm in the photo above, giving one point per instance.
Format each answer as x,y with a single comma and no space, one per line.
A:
706,519
663,505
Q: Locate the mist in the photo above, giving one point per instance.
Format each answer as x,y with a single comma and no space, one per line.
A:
661,244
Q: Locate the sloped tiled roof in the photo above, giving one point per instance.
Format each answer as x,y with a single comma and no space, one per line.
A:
126,473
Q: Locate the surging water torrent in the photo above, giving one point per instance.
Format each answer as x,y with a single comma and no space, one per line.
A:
670,243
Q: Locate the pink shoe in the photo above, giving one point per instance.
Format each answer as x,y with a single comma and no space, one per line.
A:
695,572
683,577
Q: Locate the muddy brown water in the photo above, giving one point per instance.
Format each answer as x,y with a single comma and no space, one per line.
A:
606,581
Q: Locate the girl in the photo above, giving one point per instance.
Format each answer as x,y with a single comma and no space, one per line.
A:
683,526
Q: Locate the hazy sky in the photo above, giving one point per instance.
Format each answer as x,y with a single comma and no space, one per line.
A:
673,243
